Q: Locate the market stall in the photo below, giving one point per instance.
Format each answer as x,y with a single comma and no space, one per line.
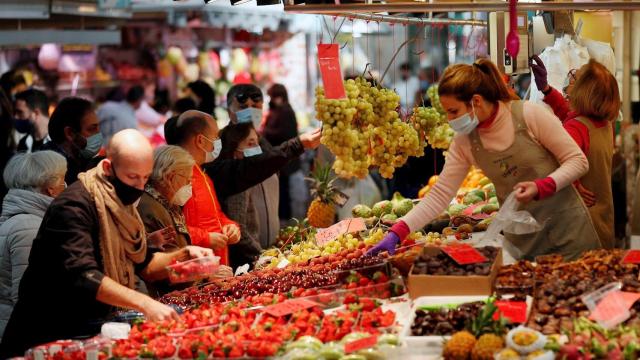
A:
456,288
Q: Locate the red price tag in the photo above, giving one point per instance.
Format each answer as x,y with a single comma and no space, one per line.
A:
515,311
632,257
346,226
365,343
464,254
329,61
289,307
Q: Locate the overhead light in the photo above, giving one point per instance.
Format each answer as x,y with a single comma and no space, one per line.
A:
239,2
267,2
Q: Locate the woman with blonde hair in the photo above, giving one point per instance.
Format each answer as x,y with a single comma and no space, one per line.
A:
587,115
521,147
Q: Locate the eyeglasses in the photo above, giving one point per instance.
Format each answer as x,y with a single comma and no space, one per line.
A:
256,97
212,141
572,74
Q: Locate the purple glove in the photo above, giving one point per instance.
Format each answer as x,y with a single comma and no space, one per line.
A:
539,72
387,244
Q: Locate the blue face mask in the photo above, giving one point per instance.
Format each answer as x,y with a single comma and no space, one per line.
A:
465,124
94,143
251,115
252,151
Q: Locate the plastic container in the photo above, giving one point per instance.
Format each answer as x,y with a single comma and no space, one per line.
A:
614,312
535,340
194,269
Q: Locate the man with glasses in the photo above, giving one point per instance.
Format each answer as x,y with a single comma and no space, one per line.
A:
244,104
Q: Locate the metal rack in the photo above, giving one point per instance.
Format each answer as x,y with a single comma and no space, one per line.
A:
410,20
457,6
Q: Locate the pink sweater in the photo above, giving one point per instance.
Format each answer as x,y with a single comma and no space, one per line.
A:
544,128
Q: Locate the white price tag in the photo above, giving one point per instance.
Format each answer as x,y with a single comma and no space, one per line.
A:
283,264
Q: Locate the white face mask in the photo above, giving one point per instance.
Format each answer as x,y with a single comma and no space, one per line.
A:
252,151
213,154
182,195
465,124
251,115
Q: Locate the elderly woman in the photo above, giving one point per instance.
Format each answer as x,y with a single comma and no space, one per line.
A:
33,181
160,207
169,188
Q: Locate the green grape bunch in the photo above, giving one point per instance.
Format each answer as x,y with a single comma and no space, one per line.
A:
366,130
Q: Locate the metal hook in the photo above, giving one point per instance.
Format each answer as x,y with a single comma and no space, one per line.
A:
344,46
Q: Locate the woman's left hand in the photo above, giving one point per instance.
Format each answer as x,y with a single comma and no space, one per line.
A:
526,191
233,233
224,272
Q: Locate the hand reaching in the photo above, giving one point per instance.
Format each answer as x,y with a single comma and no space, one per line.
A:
539,72
311,140
387,244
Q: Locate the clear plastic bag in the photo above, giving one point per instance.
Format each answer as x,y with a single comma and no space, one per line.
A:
511,220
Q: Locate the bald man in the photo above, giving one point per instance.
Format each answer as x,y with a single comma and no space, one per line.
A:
89,248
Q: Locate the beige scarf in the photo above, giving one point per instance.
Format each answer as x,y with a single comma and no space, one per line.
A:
123,241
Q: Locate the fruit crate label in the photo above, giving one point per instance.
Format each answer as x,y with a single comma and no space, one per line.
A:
289,307
346,226
464,254
365,343
329,61
632,257
515,311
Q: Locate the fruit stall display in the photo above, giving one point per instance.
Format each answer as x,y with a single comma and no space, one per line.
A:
241,330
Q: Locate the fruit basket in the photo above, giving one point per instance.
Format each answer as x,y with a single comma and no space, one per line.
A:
432,344
194,269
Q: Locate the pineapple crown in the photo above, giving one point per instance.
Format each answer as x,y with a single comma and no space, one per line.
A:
322,183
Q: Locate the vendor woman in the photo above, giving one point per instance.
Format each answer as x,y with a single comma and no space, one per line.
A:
521,147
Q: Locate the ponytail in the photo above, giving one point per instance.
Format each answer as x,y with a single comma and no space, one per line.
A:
482,77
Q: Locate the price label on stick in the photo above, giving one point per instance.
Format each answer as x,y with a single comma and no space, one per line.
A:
632,257
356,345
515,311
329,62
346,226
464,254
289,307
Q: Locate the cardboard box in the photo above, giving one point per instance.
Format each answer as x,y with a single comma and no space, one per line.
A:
443,285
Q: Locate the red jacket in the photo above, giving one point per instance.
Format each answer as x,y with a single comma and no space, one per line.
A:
203,213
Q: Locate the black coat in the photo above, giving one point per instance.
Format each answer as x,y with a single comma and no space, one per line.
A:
233,176
57,296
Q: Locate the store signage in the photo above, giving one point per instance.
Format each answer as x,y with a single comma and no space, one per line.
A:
632,257
365,343
289,307
514,311
464,254
347,226
329,61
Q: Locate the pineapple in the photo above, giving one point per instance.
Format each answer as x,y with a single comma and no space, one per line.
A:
486,346
322,211
459,347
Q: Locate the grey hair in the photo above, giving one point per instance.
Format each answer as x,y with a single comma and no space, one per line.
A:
169,158
34,171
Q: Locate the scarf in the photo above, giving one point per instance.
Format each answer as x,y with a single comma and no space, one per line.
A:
174,211
123,241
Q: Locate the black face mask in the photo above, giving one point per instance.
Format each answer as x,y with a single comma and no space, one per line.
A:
127,193
23,126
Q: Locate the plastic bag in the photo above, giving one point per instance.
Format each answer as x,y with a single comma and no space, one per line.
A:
601,52
511,220
559,59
